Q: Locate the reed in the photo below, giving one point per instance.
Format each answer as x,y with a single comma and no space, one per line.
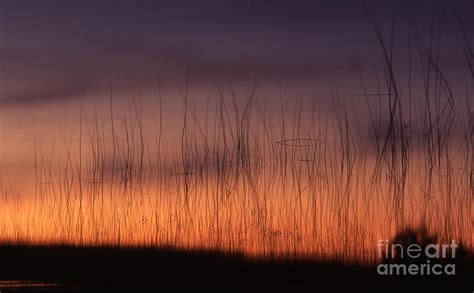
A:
296,180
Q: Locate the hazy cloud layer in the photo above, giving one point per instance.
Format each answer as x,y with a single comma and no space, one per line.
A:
57,49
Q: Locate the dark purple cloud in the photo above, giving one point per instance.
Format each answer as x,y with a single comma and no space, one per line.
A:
56,49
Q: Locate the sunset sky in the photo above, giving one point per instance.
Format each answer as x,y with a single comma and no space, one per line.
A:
146,104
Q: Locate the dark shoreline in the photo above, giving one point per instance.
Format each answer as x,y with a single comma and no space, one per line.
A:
162,268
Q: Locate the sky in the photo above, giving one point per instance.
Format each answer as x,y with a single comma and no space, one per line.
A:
59,60
54,50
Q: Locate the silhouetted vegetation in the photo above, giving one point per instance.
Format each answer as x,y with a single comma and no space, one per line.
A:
168,268
252,197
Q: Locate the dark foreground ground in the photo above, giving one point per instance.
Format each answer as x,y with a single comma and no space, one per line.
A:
64,268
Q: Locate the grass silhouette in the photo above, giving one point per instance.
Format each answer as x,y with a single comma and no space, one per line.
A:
250,194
